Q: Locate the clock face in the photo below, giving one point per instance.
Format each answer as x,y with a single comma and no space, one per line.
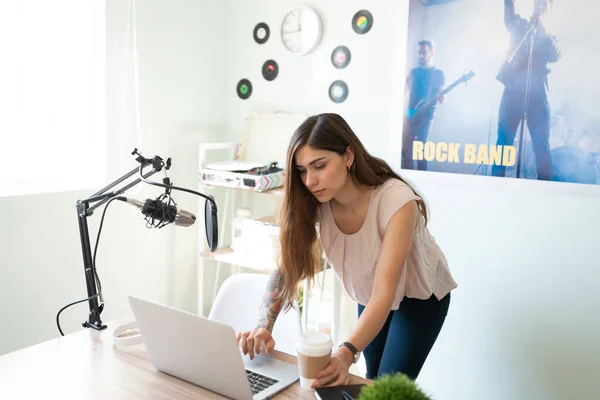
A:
301,30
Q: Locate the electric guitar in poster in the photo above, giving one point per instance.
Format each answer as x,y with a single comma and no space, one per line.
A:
416,113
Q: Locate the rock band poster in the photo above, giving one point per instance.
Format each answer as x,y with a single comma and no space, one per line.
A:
503,88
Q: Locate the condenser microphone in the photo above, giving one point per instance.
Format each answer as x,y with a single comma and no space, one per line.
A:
159,211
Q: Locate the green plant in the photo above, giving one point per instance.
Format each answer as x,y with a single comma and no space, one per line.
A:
393,387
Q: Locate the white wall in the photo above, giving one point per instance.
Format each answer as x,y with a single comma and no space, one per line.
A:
524,321
180,103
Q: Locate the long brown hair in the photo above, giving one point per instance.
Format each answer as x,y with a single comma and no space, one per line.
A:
299,255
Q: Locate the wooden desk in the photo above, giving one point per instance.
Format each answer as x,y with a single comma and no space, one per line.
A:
85,365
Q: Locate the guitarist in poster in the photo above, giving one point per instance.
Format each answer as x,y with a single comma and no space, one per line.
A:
525,76
423,83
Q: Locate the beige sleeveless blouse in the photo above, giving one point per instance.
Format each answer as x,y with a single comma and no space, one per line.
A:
354,257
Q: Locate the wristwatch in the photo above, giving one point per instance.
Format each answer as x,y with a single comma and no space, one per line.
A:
353,349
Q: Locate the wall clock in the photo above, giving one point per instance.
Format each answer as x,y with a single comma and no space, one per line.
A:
301,30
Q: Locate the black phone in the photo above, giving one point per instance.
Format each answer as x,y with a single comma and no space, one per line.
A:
335,392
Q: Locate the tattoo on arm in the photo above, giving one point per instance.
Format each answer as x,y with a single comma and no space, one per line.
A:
270,304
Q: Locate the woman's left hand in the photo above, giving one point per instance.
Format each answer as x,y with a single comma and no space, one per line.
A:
337,372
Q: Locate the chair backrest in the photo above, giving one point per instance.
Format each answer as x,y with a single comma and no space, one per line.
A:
237,304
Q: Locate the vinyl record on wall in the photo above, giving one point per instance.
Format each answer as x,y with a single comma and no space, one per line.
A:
261,33
362,22
270,69
340,57
244,89
338,91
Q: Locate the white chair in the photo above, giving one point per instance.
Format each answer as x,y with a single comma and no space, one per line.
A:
237,304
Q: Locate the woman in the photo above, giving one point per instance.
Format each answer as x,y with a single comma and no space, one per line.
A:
373,230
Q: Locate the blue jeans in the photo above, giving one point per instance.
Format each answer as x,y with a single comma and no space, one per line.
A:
407,336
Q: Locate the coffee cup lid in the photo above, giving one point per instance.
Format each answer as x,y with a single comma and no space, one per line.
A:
314,341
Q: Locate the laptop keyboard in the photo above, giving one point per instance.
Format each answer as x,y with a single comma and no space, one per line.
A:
259,382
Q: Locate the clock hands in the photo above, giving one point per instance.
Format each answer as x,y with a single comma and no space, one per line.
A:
297,23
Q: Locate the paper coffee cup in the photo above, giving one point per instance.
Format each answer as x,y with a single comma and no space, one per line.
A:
314,353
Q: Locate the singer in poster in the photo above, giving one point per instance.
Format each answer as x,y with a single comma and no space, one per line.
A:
517,99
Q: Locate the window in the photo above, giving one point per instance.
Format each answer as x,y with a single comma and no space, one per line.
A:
52,96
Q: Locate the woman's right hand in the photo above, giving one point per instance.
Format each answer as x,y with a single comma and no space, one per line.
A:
250,342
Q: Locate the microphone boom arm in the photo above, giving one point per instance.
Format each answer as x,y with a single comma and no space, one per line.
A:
87,206
85,209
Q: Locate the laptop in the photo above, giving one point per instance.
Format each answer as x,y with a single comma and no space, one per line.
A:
206,353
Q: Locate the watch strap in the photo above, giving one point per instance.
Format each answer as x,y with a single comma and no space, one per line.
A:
352,348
